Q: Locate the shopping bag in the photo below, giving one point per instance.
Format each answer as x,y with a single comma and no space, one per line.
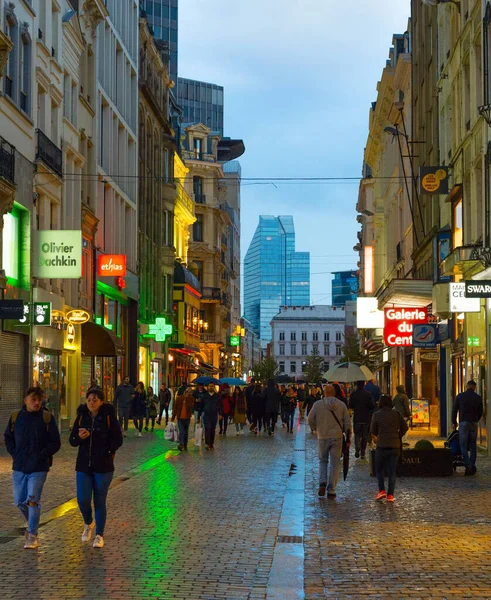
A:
198,435
176,434
170,431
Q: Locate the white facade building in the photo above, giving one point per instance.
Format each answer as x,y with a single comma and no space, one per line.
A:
296,330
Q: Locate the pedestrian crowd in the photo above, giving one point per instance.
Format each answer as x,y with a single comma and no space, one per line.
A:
32,437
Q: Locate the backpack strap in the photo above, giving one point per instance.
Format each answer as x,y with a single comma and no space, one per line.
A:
47,418
13,419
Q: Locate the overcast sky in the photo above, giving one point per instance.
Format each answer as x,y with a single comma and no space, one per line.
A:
299,77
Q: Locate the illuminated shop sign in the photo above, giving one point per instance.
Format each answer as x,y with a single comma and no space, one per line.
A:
368,316
41,312
478,289
235,340
433,180
398,324
459,303
159,331
111,265
57,254
77,316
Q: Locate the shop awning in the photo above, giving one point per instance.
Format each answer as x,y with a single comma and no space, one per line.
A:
412,293
99,341
208,368
190,363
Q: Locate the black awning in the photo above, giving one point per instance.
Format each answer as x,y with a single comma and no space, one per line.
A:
208,368
99,341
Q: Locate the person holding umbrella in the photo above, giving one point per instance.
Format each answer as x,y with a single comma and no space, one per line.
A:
330,418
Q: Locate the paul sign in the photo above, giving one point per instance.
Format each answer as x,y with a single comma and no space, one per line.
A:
398,327
111,265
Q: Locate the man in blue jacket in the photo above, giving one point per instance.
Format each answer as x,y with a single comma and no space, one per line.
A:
468,405
31,438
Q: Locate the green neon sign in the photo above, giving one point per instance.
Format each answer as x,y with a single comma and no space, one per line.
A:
159,330
41,312
473,341
235,340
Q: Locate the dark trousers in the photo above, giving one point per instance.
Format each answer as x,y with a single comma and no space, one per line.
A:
223,424
147,420
284,415
183,425
138,423
290,416
361,437
257,420
210,424
124,416
161,412
270,421
386,460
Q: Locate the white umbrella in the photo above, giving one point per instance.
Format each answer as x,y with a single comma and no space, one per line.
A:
346,372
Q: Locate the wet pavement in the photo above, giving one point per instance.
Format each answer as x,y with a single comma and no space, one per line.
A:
244,521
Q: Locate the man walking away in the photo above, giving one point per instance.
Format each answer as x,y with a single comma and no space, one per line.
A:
401,404
468,406
210,409
122,402
249,391
362,405
164,402
272,399
31,438
301,399
198,394
330,418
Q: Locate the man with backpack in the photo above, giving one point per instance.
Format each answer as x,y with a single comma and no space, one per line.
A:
31,438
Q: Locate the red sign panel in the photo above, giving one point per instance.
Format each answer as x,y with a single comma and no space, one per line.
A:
111,265
398,328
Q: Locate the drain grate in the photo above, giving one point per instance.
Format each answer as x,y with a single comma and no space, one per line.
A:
289,539
299,449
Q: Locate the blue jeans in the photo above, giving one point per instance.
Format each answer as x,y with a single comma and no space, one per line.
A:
96,486
27,491
330,452
183,426
124,415
468,442
386,458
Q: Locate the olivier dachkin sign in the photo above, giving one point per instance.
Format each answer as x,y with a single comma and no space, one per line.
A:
478,289
57,254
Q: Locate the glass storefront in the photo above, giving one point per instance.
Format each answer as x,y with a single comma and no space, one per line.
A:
155,375
46,374
105,371
143,365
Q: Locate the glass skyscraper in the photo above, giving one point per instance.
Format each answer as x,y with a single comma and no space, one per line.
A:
274,274
201,102
344,287
162,16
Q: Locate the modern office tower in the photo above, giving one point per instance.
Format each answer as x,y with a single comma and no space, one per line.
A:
202,103
344,287
162,16
274,274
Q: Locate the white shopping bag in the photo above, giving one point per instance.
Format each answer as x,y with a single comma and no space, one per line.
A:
170,432
198,435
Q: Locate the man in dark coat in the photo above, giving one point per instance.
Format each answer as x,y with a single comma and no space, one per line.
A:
272,399
122,402
210,409
362,405
31,438
164,402
468,406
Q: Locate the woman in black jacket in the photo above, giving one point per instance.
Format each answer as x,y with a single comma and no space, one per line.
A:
97,435
138,407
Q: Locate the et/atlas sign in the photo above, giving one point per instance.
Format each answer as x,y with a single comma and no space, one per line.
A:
57,254
398,327
111,265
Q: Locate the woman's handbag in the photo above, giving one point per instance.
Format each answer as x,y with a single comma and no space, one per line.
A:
198,435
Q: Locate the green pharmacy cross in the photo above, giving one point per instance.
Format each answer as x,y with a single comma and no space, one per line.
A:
160,330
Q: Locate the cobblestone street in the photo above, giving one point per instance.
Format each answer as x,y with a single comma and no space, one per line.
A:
236,523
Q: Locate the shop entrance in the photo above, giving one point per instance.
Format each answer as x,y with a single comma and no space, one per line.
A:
46,372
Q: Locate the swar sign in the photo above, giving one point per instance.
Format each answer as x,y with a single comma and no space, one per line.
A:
398,324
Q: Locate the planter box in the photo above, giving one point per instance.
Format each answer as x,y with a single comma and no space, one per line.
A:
421,463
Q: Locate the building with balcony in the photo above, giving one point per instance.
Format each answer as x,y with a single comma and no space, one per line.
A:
157,198
297,330
274,274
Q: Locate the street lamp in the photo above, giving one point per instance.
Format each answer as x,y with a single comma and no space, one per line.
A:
485,112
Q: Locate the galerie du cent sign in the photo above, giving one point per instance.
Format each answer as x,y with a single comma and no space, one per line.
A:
398,327
57,254
111,265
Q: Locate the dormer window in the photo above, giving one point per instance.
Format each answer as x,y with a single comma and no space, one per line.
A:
198,148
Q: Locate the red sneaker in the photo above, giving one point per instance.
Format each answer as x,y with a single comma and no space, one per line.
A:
381,495
390,498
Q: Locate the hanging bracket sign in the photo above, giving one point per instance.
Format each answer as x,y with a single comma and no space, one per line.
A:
478,289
